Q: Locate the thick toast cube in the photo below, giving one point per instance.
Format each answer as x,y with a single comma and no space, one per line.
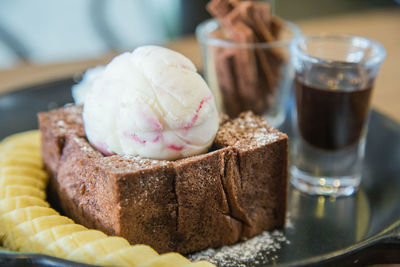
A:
231,193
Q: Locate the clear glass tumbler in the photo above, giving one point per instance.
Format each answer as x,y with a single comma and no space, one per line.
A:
248,76
334,79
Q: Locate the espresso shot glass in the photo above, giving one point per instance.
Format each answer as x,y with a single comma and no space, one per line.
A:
334,79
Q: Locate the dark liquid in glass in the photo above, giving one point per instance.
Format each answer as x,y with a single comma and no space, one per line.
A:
331,119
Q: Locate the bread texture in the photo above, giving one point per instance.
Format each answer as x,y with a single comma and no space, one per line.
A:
235,191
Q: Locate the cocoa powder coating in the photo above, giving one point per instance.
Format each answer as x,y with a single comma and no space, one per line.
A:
235,191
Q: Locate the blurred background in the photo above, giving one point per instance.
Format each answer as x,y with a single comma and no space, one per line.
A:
50,31
45,40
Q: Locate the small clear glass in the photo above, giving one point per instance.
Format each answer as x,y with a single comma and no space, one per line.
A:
334,79
248,76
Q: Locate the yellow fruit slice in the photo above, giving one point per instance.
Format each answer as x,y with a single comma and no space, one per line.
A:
16,237
170,259
20,151
20,148
10,160
15,217
12,203
129,256
10,214
28,137
22,180
41,240
64,246
21,190
23,170
90,252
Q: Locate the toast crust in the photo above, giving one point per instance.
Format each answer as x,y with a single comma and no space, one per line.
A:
231,193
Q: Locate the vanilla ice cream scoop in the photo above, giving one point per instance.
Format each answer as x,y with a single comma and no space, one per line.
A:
80,90
151,103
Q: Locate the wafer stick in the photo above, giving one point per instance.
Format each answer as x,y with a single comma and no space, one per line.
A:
245,60
276,26
227,81
247,75
219,8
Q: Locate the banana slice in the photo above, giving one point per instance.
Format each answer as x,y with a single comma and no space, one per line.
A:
31,138
21,190
20,151
17,235
90,252
8,214
12,203
64,246
170,259
23,170
41,240
23,150
22,180
10,160
15,217
129,256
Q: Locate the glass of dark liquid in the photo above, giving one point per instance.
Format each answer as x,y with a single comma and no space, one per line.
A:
333,85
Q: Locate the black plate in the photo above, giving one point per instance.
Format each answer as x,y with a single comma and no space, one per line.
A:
364,228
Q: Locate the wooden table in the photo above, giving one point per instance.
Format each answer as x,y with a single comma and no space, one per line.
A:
382,25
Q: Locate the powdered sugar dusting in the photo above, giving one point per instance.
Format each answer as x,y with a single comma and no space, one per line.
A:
261,137
60,123
124,163
260,249
248,132
66,120
141,160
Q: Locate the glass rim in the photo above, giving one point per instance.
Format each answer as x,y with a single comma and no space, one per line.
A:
206,27
302,39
